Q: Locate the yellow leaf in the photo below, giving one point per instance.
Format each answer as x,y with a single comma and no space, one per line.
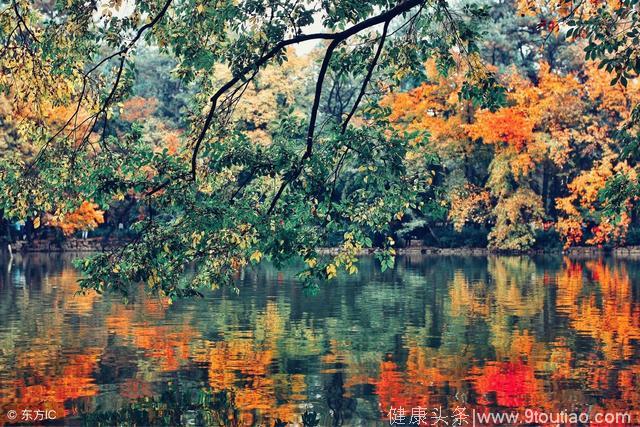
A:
36,222
331,271
311,262
256,256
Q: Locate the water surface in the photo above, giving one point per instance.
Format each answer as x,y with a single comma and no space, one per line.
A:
496,333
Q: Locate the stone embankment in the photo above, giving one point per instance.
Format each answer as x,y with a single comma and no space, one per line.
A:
100,244
68,245
587,251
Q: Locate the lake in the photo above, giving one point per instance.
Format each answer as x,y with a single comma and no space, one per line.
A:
435,337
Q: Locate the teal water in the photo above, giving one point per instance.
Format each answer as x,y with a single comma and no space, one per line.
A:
483,334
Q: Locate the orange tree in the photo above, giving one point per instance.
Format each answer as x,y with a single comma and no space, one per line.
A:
564,147
541,159
86,217
608,31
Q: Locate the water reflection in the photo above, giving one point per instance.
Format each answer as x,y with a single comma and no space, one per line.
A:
500,332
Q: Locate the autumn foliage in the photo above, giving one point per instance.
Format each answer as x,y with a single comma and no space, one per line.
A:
86,217
510,126
540,161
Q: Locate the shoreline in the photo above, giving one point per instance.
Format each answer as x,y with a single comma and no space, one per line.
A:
97,244
430,250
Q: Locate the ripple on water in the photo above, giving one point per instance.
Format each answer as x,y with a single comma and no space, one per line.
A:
498,332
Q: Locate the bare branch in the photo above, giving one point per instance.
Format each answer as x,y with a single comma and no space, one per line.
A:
122,53
367,78
345,124
314,112
24,24
338,37
312,125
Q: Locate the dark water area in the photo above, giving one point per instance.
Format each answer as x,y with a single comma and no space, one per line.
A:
447,335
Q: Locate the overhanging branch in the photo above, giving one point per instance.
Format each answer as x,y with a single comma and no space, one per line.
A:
335,37
122,54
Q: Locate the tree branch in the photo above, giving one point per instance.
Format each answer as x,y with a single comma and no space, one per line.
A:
312,125
336,37
122,52
345,124
367,78
24,24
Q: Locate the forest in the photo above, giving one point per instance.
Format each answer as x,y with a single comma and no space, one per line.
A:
217,133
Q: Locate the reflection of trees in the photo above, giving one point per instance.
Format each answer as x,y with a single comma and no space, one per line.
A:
505,331
606,312
601,301
533,315
172,407
53,353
